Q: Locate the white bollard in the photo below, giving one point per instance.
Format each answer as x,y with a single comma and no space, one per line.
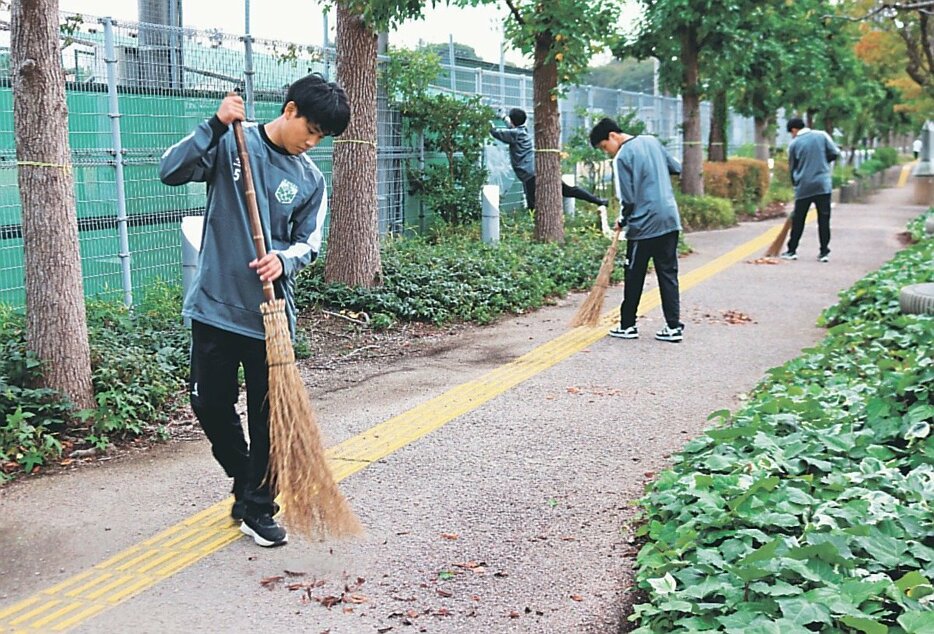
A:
489,220
569,208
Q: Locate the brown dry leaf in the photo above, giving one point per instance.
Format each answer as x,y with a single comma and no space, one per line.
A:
66,462
442,612
412,614
470,565
574,390
271,582
444,593
450,536
514,615
765,260
347,609
354,598
475,597
568,538
329,601
576,597
383,630
292,573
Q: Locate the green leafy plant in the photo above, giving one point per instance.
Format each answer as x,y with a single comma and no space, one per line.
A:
810,508
454,126
705,212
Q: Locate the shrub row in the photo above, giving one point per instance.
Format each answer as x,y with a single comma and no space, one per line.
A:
139,362
809,510
455,277
743,181
705,212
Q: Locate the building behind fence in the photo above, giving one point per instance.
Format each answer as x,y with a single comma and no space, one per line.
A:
134,89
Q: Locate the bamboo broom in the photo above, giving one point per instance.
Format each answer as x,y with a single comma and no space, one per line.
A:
298,471
776,247
589,312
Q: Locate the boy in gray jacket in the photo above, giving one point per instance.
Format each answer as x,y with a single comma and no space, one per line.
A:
522,159
809,156
641,169
224,301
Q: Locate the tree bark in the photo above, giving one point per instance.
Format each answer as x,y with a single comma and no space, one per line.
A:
352,255
55,312
549,212
716,148
692,168
763,143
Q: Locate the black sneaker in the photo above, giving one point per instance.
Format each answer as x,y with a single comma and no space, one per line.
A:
238,510
824,257
624,333
264,530
789,255
674,335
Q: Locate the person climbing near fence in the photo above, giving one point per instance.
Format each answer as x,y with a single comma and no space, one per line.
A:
522,157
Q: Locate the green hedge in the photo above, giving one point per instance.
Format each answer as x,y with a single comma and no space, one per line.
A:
810,509
705,212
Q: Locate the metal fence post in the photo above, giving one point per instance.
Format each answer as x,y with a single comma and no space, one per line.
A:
452,62
248,77
114,114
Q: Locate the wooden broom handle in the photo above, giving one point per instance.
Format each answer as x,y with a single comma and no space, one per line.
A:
256,227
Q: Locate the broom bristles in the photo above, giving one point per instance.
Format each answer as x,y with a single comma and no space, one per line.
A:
776,247
589,312
312,505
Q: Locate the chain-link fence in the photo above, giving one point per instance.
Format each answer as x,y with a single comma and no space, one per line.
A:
134,89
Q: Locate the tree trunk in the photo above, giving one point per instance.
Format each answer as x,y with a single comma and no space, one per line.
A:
692,167
549,211
719,114
56,322
763,143
352,255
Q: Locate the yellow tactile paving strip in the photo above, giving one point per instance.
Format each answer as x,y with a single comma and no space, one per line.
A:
143,565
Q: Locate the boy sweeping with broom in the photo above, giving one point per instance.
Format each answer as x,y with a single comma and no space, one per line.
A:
641,169
224,301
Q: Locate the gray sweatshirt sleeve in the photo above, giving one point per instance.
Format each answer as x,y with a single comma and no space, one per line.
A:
627,190
674,167
506,135
191,160
832,150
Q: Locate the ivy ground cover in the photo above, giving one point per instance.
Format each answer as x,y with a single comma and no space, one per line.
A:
810,509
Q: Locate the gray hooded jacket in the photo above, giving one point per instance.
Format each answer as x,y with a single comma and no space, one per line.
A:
521,150
809,157
292,200
647,202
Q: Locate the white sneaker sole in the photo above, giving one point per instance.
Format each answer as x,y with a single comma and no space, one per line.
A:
622,336
670,339
259,539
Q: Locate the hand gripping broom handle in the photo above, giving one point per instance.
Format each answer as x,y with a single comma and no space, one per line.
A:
256,227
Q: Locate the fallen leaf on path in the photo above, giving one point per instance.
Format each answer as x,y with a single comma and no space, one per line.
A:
450,536
764,260
442,612
447,594
514,615
576,597
271,582
329,601
292,573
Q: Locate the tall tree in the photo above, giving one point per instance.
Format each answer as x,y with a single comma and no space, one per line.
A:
561,36
55,312
678,32
353,241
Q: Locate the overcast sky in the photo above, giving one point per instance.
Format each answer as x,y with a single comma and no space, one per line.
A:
302,21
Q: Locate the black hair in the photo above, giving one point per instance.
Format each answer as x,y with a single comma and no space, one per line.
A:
795,123
517,116
601,131
321,102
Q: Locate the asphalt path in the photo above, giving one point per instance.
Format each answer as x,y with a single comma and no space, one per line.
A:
512,517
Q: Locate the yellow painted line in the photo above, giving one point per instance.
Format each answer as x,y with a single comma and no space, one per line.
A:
80,617
143,565
905,173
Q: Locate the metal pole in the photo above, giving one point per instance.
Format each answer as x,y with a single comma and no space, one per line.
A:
502,72
451,59
325,45
114,114
489,224
248,64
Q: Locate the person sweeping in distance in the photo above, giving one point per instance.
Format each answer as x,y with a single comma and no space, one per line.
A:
522,158
810,154
641,169
224,300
